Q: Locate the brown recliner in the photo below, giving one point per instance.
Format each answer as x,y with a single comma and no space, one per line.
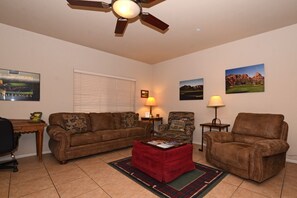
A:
255,149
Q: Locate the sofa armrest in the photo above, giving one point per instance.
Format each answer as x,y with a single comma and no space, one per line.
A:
216,136
270,147
59,134
163,127
146,125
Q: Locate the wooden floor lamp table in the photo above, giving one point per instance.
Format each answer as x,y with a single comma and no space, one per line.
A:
28,126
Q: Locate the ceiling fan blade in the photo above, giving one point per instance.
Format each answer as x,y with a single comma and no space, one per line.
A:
95,4
121,26
147,17
147,1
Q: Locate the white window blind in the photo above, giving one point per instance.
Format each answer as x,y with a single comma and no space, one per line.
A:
100,93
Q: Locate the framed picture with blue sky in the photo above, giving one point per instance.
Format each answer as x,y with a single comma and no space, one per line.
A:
191,89
245,79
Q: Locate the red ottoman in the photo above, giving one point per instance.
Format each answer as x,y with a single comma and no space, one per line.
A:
164,165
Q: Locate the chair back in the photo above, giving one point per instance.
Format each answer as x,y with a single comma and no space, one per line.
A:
7,143
256,126
187,117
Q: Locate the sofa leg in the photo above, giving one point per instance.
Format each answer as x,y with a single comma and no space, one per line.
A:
63,162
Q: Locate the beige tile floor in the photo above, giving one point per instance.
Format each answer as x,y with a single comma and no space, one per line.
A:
92,177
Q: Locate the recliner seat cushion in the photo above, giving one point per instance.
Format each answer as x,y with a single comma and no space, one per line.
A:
234,154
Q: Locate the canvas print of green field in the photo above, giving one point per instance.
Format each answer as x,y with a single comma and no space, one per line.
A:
191,89
245,79
18,85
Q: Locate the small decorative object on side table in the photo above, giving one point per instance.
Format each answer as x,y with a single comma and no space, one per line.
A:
211,125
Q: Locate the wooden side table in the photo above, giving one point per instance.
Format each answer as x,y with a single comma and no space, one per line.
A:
210,126
27,126
153,120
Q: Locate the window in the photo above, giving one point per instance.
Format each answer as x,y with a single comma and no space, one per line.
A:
101,93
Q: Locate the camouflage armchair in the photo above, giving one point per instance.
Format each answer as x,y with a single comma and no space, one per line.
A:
180,126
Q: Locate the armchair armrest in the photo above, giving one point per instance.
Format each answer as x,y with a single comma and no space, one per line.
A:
189,129
59,134
270,147
215,136
163,127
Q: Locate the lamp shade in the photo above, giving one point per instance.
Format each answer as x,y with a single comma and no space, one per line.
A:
215,101
151,102
127,9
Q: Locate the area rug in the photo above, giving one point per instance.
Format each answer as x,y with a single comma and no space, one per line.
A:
196,183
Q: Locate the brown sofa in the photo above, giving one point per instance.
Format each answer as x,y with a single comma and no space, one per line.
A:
255,149
74,135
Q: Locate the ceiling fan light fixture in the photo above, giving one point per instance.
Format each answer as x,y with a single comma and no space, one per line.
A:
127,9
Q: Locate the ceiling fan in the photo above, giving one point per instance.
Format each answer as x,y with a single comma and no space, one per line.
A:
125,10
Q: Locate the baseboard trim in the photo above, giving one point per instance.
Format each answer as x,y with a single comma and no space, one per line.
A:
292,161
22,156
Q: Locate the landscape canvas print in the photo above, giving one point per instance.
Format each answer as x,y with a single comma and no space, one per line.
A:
18,85
245,79
191,89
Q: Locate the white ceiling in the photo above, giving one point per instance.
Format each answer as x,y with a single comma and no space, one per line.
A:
219,21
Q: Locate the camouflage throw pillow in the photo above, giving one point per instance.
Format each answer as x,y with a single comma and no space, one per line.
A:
129,119
75,123
177,125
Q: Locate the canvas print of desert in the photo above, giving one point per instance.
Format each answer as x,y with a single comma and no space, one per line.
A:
245,79
191,89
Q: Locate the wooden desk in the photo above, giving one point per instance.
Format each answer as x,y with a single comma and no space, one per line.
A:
210,125
27,126
153,120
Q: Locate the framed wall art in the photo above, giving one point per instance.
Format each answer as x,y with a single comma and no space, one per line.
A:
144,93
245,79
191,89
19,85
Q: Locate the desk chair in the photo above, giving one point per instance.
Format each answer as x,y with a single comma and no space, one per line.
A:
8,143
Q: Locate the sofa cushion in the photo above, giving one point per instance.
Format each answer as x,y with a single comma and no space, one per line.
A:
260,125
79,139
129,119
177,125
101,121
117,120
58,119
112,134
76,123
135,131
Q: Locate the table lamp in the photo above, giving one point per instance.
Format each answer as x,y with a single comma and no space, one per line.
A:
215,101
151,102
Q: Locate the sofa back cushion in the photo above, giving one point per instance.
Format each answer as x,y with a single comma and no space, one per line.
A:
101,121
117,120
63,120
259,125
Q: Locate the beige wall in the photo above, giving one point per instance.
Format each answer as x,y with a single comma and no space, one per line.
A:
55,60
276,49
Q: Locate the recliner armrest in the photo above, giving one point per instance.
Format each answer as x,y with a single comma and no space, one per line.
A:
270,147
216,136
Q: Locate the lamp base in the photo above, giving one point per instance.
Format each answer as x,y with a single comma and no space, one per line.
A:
216,121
